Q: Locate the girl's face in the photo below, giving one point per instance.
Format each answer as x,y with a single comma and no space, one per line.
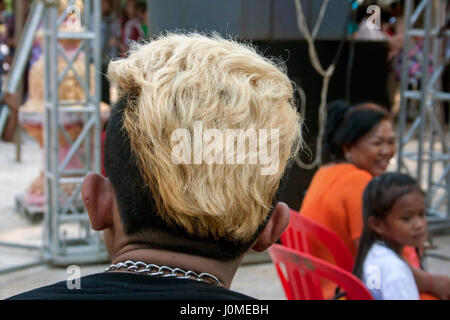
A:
373,151
405,224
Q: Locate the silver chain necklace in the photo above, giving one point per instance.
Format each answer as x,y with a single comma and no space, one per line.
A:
163,271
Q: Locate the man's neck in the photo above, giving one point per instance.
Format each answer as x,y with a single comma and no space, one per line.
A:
224,271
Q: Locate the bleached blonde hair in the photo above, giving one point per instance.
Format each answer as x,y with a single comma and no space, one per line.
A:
177,79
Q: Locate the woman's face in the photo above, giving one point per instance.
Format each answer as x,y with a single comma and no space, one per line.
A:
373,151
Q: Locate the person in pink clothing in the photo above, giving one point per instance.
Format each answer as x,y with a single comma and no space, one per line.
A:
132,29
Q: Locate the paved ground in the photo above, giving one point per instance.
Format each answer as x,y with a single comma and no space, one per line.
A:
257,280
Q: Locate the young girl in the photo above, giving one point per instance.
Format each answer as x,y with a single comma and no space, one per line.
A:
394,216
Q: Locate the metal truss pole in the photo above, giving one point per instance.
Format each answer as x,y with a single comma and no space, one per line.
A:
67,236
18,66
430,161
70,238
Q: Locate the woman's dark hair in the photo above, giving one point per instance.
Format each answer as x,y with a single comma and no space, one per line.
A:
379,197
346,124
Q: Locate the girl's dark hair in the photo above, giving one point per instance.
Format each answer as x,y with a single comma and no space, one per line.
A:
346,124
379,197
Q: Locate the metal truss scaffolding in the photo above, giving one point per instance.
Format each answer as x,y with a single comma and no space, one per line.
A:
67,235
424,145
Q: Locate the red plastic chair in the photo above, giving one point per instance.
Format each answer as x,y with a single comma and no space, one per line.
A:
302,281
299,230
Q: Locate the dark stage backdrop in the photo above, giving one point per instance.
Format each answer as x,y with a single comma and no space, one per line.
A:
368,78
272,26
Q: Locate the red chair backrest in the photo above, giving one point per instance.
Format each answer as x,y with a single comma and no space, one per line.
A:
301,228
303,273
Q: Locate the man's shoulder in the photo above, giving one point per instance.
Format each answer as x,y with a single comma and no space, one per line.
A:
125,286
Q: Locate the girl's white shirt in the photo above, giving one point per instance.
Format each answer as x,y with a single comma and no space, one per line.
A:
387,276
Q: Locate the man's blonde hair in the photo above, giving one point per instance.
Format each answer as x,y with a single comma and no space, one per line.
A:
178,79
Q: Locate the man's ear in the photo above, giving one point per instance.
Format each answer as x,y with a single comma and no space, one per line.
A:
278,222
98,197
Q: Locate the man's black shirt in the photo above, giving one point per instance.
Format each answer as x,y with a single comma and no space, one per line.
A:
128,286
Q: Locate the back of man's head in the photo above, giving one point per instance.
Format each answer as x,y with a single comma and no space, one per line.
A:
198,143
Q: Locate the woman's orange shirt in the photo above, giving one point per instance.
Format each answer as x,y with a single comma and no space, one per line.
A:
334,200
